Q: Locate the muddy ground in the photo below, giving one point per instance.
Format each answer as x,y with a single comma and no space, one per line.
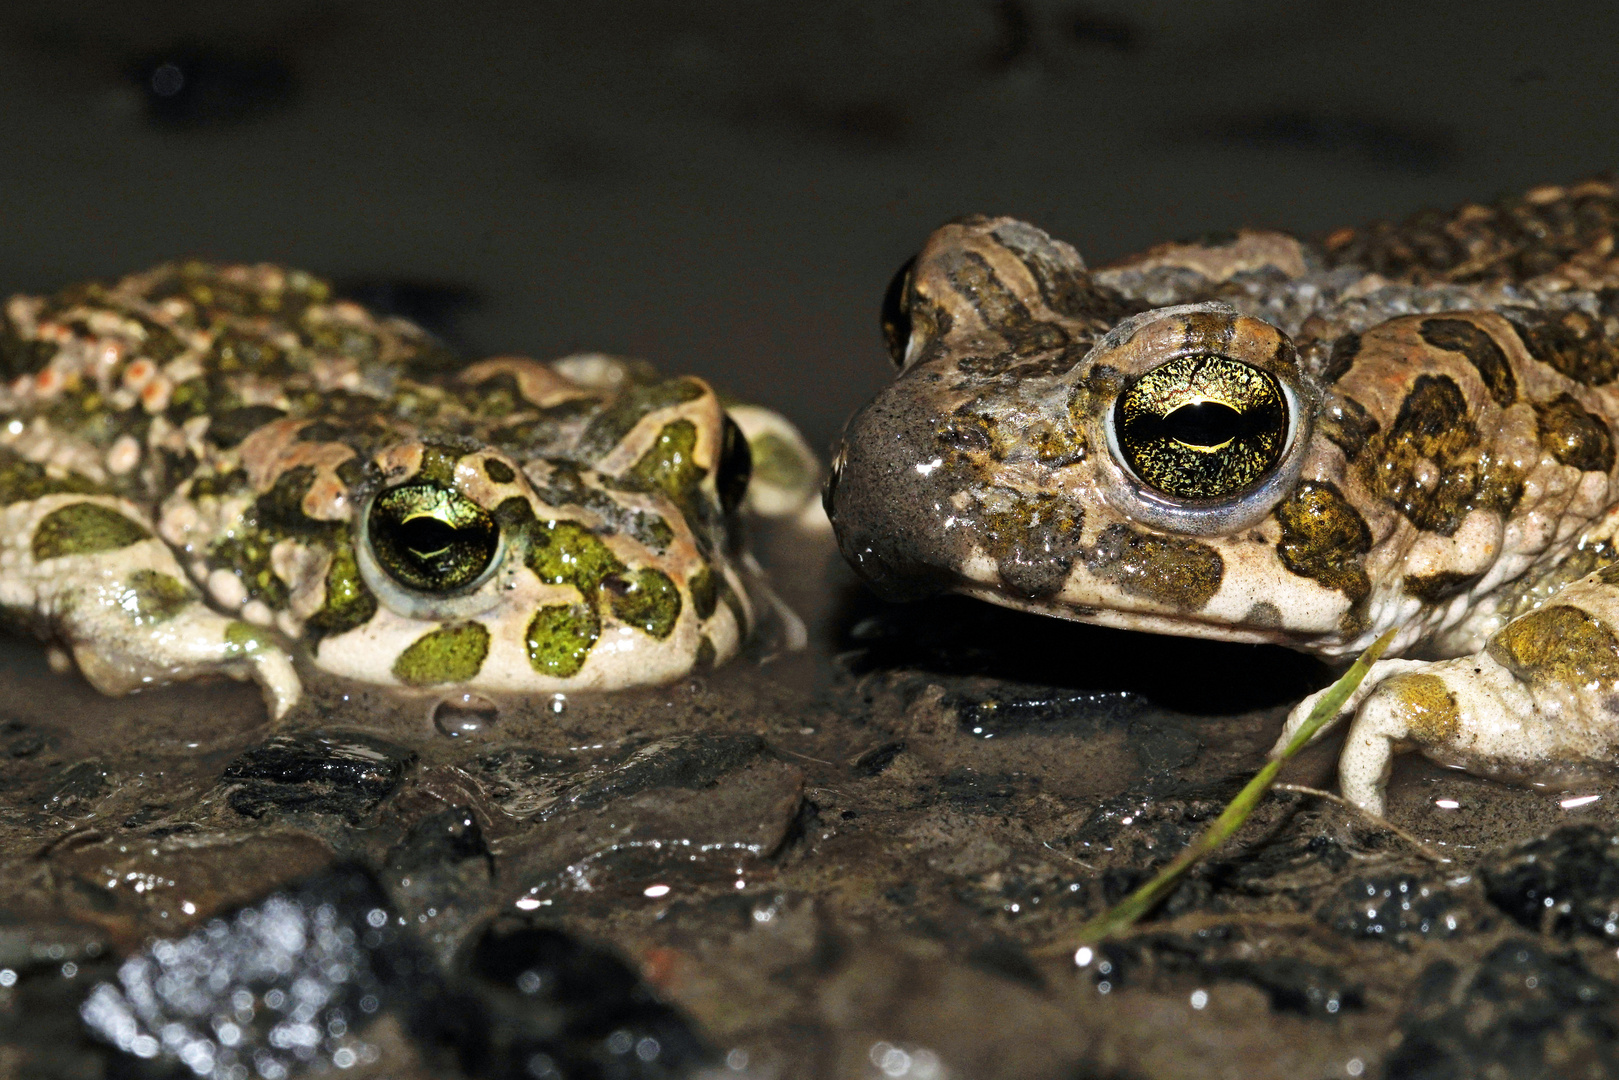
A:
851,862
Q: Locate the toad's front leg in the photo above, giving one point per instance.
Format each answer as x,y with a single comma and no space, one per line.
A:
86,570
1539,703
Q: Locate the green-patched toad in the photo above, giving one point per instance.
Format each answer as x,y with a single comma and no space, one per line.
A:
1262,439
210,468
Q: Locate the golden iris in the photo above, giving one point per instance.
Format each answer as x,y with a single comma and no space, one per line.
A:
430,538
1202,427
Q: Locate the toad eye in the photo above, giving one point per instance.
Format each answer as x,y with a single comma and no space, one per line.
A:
896,314
1202,427
431,539
736,467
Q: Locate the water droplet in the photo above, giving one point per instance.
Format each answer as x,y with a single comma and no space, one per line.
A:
464,714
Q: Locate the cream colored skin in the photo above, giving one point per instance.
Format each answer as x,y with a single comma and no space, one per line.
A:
1446,467
191,458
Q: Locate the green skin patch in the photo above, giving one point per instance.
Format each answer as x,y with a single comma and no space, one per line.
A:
22,480
560,638
668,465
649,602
705,594
777,461
452,653
155,597
243,639
85,529
566,553
348,602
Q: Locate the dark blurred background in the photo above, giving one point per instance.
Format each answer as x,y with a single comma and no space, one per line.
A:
725,187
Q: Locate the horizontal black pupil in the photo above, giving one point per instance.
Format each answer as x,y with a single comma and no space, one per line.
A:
1207,423
426,537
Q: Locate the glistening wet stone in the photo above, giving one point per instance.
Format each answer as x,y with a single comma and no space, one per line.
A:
560,1009
1397,908
293,984
1564,883
1520,1011
344,774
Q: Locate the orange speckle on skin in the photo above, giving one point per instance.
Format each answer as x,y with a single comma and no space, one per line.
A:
139,373
155,395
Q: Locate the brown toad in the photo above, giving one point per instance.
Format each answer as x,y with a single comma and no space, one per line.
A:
1262,439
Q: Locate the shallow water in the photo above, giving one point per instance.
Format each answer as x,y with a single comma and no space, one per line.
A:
840,863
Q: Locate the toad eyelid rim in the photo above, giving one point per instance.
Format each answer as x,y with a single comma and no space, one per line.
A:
1198,517
471,599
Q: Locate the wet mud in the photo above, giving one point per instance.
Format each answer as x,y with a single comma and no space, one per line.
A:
854,861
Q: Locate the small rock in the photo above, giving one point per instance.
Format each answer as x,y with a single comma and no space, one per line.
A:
133,887
343,774
1564,883
1398,908
1520,1012
558,1009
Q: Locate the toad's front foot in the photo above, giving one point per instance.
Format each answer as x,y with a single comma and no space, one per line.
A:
1540,703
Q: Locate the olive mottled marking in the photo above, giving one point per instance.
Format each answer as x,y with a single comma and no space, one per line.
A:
155,597
22,480
1342,357
1574,436
1481,350
1264,615
1034,541
609,427
1430,464
438,464
1432,588
560,638
1557,646
349,603
706,654
453,653
669,466
1324,539
85,529
1571,342
498,471
567,553
565,487
776,461
1183,574
1427,705
282,507
243,639
230,428
705,594
1347,423
1001,309
646,600
649,530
